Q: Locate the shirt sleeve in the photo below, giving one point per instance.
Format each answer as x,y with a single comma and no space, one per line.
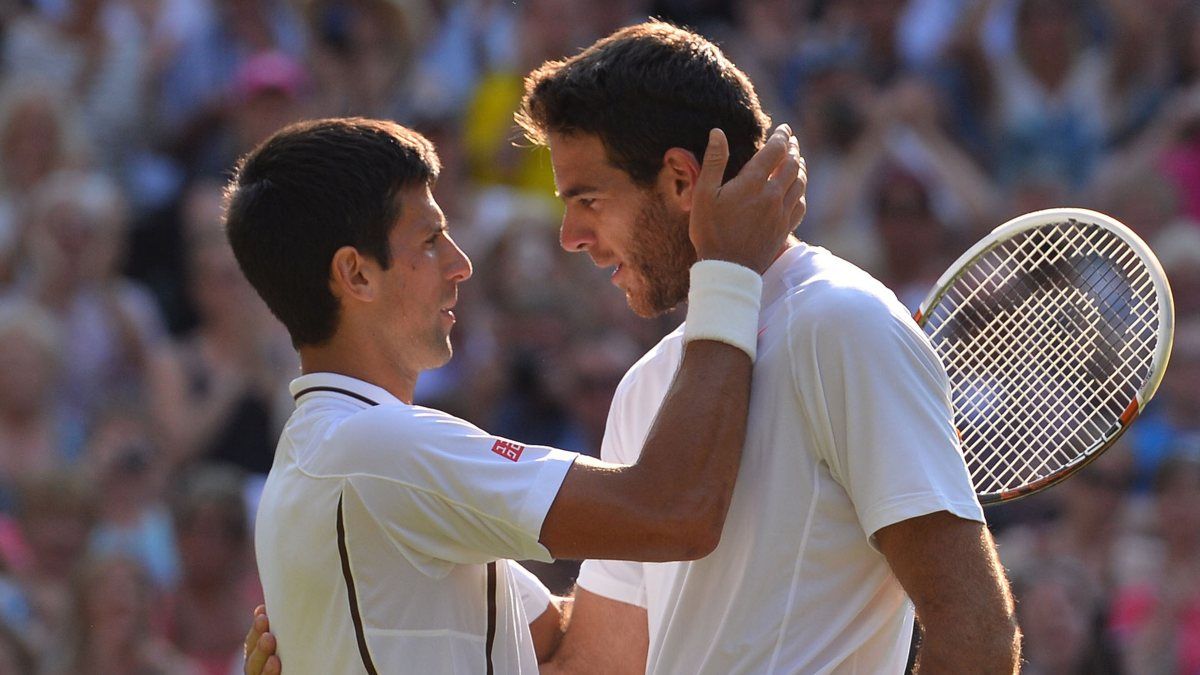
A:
616,579
622,579
534,595
443,488
878,399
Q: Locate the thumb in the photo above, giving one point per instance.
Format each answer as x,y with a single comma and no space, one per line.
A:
712,169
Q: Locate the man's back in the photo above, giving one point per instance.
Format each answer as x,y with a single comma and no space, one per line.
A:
796,585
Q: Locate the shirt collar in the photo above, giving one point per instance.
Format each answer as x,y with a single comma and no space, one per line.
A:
775,280
344,386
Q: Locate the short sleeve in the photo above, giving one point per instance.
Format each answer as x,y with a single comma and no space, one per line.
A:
881,409
628,425
616,579
444,488
534,595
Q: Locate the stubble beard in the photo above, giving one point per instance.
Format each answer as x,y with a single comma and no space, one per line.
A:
661,254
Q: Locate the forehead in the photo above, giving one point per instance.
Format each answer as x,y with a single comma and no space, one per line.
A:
580,161
418,210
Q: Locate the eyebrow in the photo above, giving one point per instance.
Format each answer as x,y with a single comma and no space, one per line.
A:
576,191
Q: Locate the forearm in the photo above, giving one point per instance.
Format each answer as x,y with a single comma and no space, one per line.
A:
969,646
678,476
548,628
671,504
608,638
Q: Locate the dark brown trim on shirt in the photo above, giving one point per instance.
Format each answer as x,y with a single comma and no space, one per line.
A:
491,613
359,633
336,390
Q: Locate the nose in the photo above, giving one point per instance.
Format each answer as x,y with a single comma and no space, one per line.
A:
574,236
459,268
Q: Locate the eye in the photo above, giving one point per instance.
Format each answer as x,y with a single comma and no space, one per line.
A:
587,202
434,237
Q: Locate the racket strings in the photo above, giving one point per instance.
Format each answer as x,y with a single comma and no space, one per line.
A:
1046,338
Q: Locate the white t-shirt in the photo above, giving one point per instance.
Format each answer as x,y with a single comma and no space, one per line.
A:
405,506
850,430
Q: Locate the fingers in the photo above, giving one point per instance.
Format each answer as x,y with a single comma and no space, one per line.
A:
764,162
712,169
255,630
260,646
273,666
798,203
259,657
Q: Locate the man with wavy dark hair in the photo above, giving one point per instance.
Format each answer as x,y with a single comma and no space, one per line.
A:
853,502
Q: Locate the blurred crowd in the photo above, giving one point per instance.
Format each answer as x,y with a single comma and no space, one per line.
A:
143,384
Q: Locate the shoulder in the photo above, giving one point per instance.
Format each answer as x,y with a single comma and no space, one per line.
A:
387,439
839,292
653,368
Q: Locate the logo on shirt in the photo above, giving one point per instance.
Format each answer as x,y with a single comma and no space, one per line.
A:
508,450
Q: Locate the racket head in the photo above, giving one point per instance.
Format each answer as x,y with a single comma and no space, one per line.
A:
1055,330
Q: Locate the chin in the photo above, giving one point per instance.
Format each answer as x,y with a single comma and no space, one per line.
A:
655,300
647,308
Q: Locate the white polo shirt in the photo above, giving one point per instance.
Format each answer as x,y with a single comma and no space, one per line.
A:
850,430
376,527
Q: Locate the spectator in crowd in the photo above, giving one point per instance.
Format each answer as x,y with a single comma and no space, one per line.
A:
129,471
37,435
56,513
1158,619
113,336
1175,419
363,52
235,362
194,88
93,53
112,630
218,580
1088,520
39,135
1061,616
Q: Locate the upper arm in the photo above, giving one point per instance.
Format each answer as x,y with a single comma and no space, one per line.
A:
671,503
442,488
949,567
604,636
882,412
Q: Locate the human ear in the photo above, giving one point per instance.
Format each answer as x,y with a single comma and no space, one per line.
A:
677,178
351,275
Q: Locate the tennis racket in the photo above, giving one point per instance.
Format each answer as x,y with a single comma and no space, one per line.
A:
1055,330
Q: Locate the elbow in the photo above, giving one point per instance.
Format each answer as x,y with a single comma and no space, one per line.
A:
695,533
699,543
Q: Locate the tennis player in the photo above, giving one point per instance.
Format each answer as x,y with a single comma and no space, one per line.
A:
384,528
853,504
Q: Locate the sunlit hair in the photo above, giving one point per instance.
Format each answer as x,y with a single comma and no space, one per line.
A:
643,90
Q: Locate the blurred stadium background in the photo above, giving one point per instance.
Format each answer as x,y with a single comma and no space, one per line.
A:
142,384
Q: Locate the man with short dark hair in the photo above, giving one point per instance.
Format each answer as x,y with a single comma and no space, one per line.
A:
385,529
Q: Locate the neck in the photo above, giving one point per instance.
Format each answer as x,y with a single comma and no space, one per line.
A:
346,356
791,242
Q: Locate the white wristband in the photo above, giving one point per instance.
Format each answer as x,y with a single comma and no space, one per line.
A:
723,305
